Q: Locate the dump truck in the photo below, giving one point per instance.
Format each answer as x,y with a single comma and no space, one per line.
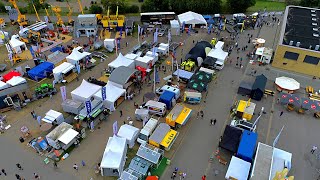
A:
45,89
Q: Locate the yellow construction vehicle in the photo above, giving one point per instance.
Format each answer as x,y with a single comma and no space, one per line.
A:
70,20
57,10
21,20
188,65
47,13
32,37
113,21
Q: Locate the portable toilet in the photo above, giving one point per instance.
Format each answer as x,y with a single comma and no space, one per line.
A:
168,98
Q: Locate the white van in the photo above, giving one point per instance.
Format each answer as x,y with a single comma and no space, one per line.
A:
176,91
155,107
147,130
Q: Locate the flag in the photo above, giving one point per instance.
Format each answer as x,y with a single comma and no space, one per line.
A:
32,52
277,138
120,32
91,125
169,36
88,106
103,93
189,30
39,120
78,68
155,37
183,25
63,93
126,31
157,78
115,127
139,29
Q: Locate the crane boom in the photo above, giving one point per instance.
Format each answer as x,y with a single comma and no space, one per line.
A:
79,2
21,18
57,10
41,2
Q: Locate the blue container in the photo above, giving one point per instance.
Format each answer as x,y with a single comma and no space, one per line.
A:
247,145
167,98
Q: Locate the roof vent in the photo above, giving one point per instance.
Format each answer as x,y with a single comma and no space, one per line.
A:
315,29
314,24
313,11
313,15
314,19
315,35
298,44
290,43
317,47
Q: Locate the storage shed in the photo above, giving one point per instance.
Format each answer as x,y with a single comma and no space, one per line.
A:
258,87
245,88
247,145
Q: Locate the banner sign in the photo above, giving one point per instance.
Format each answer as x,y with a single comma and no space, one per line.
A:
104,93
88,106
115,127
63,93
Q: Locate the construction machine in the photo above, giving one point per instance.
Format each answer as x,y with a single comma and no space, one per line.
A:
45,89
48,16
21,20
35,10
80,6
32,37
70,20
57,10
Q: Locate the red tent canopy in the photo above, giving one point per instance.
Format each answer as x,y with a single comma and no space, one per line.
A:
11,74
152,178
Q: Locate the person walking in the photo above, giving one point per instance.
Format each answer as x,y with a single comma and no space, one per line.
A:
4,172
214,121
36,176
120,113
202,114
314,148
281,113
75,166
204,177
83,163
211,122
184,175
19,166
18,176
55,165
198,115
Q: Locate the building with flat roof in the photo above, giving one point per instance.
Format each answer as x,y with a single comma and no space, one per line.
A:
299,43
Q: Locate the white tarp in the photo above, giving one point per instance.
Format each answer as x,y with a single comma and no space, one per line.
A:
63,68
112,95
16,80
131,56
85,91
130,133
53,115
191,18
76,56
3,85
16,44
114,155
121,61
219,54
238,169
68,136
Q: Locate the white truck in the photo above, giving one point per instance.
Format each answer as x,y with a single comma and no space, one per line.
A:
147,130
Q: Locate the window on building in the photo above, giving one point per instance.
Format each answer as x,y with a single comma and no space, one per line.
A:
291,55
311,60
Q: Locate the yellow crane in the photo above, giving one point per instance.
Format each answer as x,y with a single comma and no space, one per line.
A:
21,20
57,10
70,20
35,10
79,2
47,13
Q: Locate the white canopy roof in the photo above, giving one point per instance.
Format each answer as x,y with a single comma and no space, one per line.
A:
131,56
238,169
174,24
191,18
259,51
121,61
144,59
68,136
218,53
114,152
219,44
63,68
287,83
14,42
85,91
128,132
3,85
112,95
76,55
16,80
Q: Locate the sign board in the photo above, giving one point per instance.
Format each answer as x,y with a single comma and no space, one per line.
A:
63,93
88,106
104,93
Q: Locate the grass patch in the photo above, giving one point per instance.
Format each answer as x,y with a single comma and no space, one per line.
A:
270,5
160,170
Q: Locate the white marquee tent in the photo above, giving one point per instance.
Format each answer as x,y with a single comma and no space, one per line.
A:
121,61
219,54
238,169
192,18
16,80
63,68
85,91
17,44
112,95
114,157
130,133
3,85
76,55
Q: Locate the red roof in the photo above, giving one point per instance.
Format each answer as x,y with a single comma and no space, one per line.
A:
152,178
11,74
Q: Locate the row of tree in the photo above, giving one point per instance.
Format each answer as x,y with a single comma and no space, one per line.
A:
305,3
199,6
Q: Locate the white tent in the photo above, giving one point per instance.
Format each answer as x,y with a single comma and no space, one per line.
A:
155,57
219,44
145,62
17,44
3,85
131,56
287,83
85,91
114,157
219,54
63,68
130,133
16,80
163,48
76,56
238,169
109,44
175,27
192,18
121,61
112,95
54,117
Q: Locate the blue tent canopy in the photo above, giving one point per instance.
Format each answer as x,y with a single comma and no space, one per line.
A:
247,145
166,98
39,72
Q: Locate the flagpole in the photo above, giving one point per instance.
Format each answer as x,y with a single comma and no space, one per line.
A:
277,138
172,63
139,34
154,79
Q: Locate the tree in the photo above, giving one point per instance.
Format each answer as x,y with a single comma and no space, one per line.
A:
292,2
310,3
95,9
2,8
240,6
112,4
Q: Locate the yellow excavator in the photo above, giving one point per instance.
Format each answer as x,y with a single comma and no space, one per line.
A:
2,22
47,13
21,20
70,20
57,10
32,37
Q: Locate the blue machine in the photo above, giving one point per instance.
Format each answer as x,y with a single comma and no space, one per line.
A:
247,145
167,98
